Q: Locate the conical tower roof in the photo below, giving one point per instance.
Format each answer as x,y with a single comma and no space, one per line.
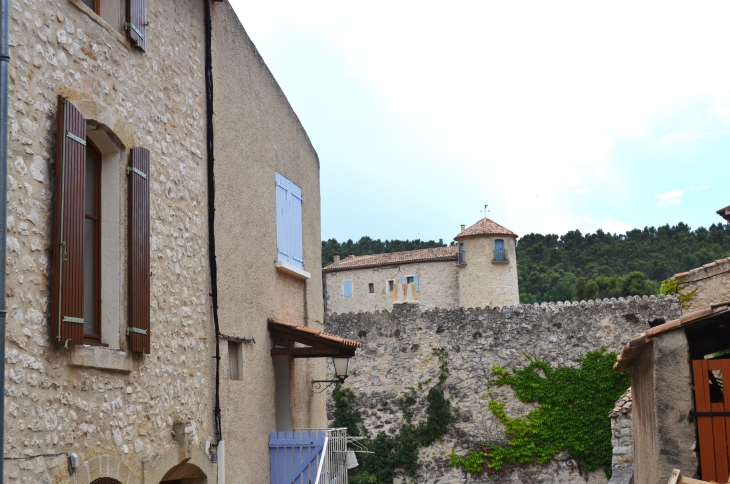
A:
485,226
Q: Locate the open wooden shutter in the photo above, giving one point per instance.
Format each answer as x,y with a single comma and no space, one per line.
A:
136,24
139,250
67,306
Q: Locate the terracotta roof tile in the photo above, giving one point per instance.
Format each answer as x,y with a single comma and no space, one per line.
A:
485,227
634,347
395,258
315,333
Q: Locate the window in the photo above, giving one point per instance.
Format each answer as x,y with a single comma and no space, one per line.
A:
347,288
235,360
371,288
462,254
409,279
123,15
87,272
391,285
499,250
92,245
289,201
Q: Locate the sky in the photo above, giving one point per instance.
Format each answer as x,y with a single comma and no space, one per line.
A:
558,115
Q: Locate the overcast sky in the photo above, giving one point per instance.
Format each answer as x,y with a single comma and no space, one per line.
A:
560,115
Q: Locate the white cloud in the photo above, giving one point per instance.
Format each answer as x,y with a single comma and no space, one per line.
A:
697,187
615,227
671,197
583,191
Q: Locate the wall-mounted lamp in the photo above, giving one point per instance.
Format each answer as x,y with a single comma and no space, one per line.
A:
342,367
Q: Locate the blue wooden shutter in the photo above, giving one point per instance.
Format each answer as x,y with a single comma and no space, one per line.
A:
289,221
415,280
348,288
295,226
282,188
403,280
499,250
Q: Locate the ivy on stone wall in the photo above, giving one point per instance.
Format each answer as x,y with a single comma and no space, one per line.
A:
671,287
398,451
572,416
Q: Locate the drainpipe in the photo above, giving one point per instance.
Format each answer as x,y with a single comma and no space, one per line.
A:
4,64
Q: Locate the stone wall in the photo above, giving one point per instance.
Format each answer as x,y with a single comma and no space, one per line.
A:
710,284
622,462
103,403
397,354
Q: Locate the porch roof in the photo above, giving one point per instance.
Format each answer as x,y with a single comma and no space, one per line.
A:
633,348
319,344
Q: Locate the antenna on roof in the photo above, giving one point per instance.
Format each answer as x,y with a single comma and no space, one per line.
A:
485,211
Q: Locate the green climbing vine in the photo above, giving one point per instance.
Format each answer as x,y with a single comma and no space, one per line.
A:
391,452
572,416
671,286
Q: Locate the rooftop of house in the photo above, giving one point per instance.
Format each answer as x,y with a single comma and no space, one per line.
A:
633,348
724,213
485,226
623,405
394,258
705,267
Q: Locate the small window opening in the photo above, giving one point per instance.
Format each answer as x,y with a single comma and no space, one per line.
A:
235,360
371,288
499,250
462,254
391,285
410,279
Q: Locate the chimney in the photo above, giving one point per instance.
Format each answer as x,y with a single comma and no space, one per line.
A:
352,254
463,227
337,258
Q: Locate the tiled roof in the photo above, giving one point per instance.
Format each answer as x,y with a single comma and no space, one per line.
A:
486,227
634,347
395,258
724,213
623,405
703,268
313,334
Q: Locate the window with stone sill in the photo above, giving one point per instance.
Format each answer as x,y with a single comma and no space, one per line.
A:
124,16
89,263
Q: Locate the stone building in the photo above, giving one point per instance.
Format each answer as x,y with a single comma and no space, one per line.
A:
479,271
679,400
115,316
708,284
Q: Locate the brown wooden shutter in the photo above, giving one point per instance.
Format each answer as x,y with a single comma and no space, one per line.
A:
67,306
137,22
139,250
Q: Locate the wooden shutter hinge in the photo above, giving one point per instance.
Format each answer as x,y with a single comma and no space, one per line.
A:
136,330
64,254
131,169
70,319
130,25
75,138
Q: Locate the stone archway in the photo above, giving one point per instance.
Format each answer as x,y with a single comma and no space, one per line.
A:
185,473
105,480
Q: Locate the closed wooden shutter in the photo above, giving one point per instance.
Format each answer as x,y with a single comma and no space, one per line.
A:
137,22
289,221
347,288
139,250
67,306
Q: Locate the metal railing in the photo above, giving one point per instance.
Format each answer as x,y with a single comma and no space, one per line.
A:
332,469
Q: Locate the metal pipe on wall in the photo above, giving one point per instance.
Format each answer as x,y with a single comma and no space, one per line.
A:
4,65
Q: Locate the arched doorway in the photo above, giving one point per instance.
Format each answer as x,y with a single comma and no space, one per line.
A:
105,480
185,474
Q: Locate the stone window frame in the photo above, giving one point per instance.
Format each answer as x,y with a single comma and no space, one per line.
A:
114,31
389,286
371,288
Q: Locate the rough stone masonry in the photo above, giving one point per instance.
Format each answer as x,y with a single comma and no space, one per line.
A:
397,354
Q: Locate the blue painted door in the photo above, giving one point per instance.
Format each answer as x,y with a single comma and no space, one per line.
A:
295,456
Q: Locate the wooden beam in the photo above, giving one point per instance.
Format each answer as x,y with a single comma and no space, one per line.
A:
321,352
678,478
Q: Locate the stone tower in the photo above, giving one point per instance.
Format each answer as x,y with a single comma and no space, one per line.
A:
487,266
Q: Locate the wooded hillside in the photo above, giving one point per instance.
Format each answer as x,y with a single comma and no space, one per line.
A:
576,266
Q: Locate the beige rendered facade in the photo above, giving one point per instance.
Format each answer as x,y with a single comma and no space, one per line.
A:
148,416
257,136
479,271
